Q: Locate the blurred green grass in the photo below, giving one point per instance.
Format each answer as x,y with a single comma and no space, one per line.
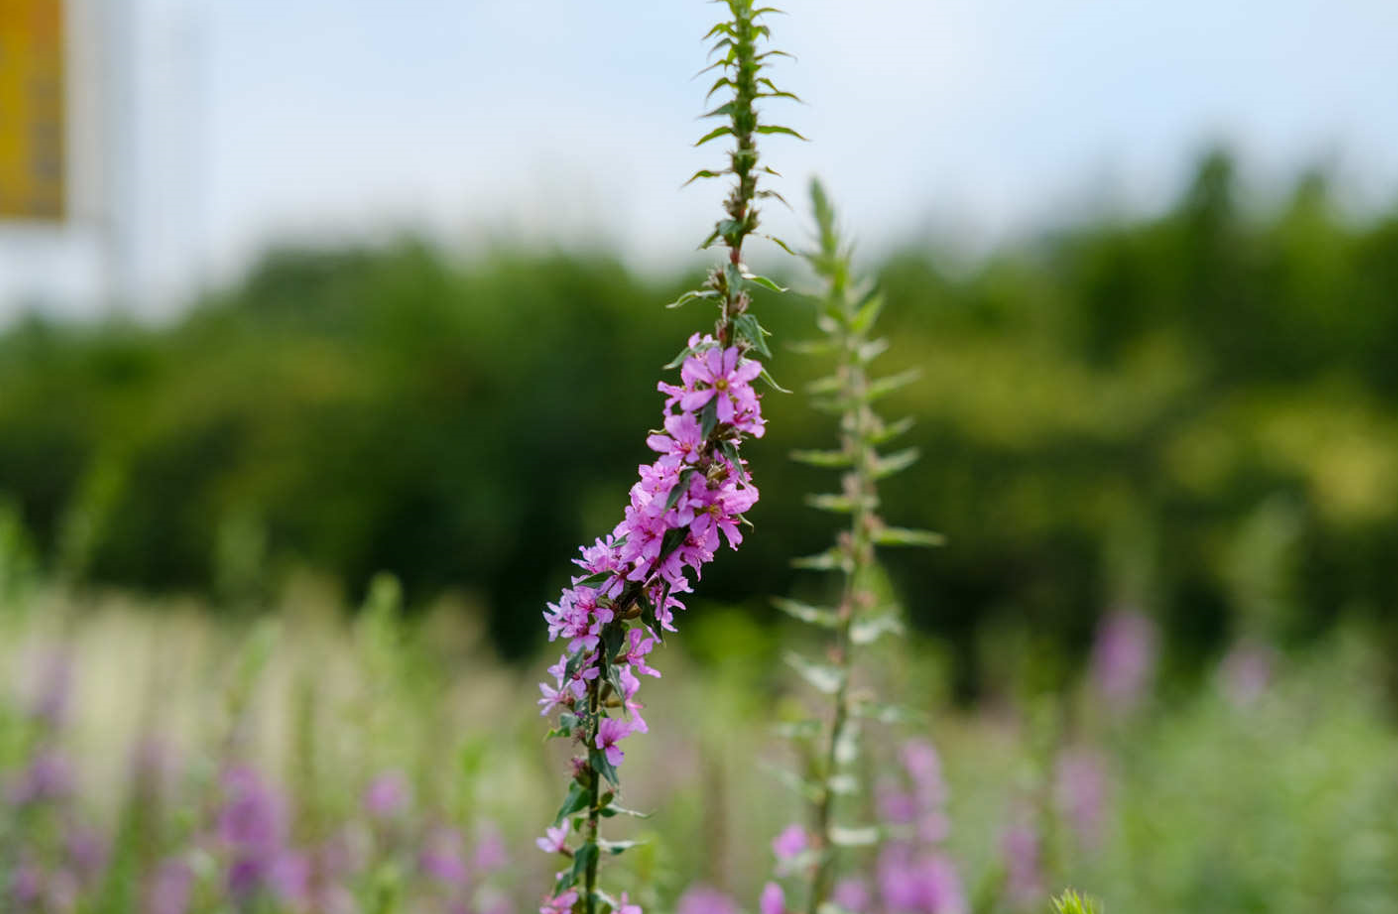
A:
1288,803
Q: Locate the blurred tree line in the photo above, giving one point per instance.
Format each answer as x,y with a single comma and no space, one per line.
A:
1193,413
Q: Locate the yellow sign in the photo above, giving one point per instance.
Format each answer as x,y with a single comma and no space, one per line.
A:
32,142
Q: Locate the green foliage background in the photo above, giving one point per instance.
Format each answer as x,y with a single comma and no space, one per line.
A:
1193,412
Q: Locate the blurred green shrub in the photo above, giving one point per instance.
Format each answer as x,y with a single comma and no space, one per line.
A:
1149,382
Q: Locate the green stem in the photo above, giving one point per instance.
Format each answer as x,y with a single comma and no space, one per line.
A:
855,427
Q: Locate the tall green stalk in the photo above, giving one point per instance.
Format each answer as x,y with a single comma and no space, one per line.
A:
846,317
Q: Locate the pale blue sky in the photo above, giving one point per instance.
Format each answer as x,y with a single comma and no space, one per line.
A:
544,118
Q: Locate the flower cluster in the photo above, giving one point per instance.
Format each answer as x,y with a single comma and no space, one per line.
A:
914,874
686,504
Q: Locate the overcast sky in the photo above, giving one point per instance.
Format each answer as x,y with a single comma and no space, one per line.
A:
545,118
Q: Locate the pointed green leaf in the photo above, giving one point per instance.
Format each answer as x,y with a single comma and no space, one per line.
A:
600,764
578,799
690,296
772,382
718,84
724,110
704,173
803,788
781,244
593,580
612,809
679,488
717,132
886,713
866,314
890,431
616,847
871,350
827,459
902,536
821,676
764,282
774,128
888,385
755,334
895,462
847,744
815,615
868,629
582,859
835,504
708,419
830,560
813,347
846,785
844,836
799,729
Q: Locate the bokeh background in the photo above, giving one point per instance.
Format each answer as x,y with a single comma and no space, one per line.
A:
330,331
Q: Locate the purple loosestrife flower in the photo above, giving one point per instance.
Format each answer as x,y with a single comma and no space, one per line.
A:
387,795
171,888
792,842
1246,673
49,777
703,899
852,894
611,731
555,839
489,854
1023,871
443,856
1081,788
1123,658
560,904
773,900
915,876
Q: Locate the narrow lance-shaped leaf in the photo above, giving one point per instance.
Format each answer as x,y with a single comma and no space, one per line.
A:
895,462
805,612
902,536
822,676
578,799
776,128
827,459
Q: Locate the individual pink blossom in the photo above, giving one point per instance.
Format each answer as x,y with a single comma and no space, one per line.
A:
627,907
682,439
610,731
387,795
555,839
560,904
720,374
792,842
638,646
